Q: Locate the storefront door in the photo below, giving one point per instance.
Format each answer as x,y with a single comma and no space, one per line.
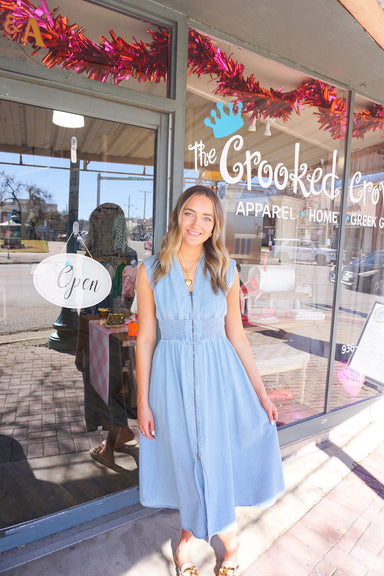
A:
63,386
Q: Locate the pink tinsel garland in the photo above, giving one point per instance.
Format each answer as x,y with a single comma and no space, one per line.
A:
117,60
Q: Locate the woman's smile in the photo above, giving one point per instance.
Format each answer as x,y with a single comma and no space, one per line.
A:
197,220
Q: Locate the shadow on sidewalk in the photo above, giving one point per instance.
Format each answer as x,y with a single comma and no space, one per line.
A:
31,489
365,476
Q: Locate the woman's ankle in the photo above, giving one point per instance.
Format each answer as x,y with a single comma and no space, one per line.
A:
231,554
183,550
231,546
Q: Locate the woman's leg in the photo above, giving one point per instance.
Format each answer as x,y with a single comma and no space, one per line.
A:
231,545
183,551
116,438
123,435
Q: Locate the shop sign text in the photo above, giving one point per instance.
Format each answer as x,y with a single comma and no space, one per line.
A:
72,280
31,30
302,180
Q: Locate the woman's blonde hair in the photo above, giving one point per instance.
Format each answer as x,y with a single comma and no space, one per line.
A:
216,255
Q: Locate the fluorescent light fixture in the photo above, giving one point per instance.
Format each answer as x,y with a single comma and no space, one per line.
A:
67,120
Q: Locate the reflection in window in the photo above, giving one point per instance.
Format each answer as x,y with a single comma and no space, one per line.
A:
359,360
278,174
52,411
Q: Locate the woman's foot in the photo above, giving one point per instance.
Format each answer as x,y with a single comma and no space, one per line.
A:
228,568
101,455
187,569
183,559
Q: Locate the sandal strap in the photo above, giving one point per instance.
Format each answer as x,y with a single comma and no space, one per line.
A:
189,570
228,569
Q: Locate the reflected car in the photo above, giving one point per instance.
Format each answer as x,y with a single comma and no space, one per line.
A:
81,240
148,245
290,249
364,274
325,255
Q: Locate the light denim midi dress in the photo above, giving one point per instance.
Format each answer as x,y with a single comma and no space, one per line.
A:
215,447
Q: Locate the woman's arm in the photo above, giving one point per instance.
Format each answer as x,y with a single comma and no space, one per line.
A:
237,337
145,344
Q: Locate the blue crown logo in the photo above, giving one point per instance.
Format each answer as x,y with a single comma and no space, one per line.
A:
225,124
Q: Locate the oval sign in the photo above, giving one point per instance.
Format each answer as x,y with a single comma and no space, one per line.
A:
72,280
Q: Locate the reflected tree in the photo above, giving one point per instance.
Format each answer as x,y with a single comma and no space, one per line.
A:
29,200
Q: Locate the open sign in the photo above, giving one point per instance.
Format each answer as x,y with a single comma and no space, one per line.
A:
72,280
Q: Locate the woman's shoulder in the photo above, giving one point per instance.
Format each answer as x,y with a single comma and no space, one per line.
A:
150,262
231,272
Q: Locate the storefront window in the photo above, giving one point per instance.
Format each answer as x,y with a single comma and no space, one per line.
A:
359,362
81,37
63,383
271,142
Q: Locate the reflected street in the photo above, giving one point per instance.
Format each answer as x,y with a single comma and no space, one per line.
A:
23,308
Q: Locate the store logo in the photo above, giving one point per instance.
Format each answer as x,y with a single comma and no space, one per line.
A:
225,124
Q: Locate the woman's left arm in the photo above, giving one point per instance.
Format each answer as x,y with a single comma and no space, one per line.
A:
236,335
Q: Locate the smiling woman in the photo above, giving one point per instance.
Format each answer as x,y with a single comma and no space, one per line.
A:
200,389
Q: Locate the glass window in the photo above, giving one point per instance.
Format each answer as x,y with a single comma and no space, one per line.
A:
359,360
64,380
270,140
84,38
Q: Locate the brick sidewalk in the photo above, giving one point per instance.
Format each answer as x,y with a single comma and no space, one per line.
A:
42,401
342,535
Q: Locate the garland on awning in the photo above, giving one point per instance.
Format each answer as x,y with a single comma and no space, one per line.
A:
116,60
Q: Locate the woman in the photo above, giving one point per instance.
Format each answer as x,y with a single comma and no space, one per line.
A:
208,436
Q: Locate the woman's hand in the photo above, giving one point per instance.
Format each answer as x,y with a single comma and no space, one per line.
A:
270,409
146,421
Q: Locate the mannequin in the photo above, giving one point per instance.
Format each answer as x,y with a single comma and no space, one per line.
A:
107,241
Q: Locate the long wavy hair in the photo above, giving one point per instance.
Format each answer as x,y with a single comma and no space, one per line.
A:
216,255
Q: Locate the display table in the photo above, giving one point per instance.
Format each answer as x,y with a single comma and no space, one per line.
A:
106,357
99,357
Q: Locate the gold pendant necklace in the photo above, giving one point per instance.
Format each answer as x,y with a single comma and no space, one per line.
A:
186,271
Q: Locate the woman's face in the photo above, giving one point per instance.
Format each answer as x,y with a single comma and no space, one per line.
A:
197,220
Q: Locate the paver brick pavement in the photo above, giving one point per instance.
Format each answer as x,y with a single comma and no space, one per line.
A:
334,539
329,539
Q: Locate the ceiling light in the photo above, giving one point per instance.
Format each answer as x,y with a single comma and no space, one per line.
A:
252,125
267,131
67,120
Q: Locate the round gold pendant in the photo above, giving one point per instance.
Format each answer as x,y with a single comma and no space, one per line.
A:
188,282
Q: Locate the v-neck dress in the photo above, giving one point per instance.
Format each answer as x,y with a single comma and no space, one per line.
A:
215,448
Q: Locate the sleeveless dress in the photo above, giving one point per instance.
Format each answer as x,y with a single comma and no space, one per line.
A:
215,447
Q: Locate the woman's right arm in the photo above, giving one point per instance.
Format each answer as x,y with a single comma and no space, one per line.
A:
145,344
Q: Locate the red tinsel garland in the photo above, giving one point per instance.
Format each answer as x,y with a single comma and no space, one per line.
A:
117,60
